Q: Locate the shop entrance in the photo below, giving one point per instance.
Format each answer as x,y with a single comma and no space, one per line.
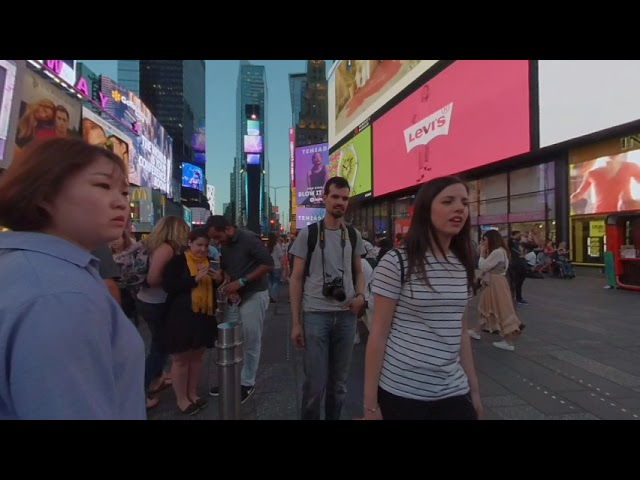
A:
588,240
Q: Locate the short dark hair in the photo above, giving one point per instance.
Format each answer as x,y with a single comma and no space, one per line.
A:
39,176
197,233
217,222
339,182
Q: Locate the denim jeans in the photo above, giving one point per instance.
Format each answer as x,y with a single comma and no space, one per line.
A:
153,314
251,313
275,279
328,345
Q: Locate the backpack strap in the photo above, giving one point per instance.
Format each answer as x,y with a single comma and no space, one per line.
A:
353,238
400,259
312,240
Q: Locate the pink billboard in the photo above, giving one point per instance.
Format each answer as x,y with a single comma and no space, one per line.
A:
474,113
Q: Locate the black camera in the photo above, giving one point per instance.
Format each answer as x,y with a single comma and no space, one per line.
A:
334,289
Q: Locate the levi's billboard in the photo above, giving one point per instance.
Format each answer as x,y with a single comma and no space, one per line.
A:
473,113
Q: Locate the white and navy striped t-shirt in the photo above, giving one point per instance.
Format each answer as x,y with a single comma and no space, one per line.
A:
421,358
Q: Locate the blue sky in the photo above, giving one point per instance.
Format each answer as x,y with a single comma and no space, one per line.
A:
222,78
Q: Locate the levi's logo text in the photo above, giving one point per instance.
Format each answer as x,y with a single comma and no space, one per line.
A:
428,128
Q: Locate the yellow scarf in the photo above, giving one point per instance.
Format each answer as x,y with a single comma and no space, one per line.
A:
202,298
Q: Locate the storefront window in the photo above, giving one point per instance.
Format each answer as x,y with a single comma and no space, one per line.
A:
527,180
493,187
494,207
473,190
588,239
530,205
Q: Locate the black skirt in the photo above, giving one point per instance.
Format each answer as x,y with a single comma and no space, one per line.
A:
187,331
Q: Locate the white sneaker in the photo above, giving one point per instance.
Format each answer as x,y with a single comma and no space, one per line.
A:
356,340
473,334
504,346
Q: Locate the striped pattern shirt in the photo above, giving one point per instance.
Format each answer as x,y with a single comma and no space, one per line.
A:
422,354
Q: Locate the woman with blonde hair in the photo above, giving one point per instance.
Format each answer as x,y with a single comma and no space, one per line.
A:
496,303
165,241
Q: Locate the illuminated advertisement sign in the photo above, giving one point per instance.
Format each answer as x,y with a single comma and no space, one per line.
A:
153,146
312,172
253,144
359,88
451,124
353,162
306,216
604,180
7,85
192,177
253,127
46,112
292,156
63,69
97,131
253,159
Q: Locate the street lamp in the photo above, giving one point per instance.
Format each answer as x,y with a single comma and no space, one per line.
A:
275,197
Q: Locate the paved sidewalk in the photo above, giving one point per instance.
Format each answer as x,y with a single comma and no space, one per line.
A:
579,358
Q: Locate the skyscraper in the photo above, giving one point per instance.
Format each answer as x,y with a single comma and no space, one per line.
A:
129,75
313,117
174,91
251,164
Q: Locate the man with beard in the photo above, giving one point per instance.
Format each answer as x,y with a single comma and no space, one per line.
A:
333,285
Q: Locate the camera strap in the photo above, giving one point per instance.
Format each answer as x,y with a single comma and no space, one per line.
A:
343,241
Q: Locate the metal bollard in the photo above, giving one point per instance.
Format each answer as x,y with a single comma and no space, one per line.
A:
229,348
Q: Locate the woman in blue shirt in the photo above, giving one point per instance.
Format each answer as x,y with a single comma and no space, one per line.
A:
69,351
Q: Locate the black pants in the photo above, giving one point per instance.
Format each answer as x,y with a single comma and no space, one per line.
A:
394,407
517,275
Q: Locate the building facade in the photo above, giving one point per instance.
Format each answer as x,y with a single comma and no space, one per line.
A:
251,164
540,153
129,75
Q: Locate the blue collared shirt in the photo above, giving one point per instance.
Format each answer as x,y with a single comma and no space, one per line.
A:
67,350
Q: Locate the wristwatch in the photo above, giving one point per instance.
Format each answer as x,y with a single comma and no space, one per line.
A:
243,281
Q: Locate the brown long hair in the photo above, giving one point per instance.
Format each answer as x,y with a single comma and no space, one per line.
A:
495,241
422,236
39,176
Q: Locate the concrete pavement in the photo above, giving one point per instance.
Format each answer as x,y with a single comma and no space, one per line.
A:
579,358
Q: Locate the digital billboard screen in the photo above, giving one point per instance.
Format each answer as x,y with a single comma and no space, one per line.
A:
7,87
312,172
359,88
45,112
353,162
199,141
473,113
253,159
253,127
200,158
253,144
192,177
306,216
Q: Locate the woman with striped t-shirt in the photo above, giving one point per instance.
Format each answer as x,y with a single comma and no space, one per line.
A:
419,364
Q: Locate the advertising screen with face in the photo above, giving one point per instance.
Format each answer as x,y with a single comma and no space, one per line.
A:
46,112
604,184
353,162
312,172
7,87
358,88
473,113
97,131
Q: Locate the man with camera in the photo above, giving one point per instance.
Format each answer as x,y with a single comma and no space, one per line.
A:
327,266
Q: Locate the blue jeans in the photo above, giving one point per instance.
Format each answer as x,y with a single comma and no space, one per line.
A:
328,345
275,280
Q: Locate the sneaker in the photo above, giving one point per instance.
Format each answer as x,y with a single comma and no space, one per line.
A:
473,334
522,302
504,346
245,393
214,392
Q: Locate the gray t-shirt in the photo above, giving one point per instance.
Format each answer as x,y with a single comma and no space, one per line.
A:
334,263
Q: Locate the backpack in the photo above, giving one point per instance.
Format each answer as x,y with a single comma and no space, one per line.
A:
312,240
134,266
372,261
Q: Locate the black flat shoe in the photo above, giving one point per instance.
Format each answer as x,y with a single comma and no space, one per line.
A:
192,409
201,403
